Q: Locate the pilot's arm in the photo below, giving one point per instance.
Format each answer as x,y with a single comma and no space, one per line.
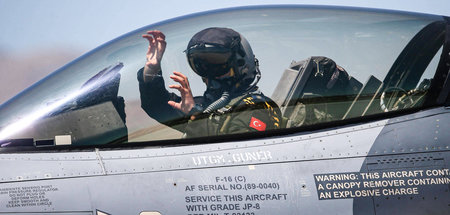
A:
157,102
155,98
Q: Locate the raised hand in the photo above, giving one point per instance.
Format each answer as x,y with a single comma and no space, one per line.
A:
156,47
187,100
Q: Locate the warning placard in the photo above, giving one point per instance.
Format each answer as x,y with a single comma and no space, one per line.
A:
378,183
27,196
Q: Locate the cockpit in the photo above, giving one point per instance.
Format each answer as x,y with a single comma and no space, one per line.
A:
319,64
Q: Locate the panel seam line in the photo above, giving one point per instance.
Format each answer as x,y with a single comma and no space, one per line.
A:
100,161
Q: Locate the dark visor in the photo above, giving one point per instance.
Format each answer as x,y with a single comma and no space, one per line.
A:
209,60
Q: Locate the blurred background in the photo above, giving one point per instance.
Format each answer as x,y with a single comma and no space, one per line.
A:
40,36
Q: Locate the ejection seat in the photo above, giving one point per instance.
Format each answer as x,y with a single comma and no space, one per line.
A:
315,90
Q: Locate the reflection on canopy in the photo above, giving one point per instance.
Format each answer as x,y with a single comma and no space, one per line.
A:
96,99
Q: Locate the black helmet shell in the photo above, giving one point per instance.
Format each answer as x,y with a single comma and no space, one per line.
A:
224,41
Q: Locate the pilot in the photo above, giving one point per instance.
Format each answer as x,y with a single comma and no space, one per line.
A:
232,102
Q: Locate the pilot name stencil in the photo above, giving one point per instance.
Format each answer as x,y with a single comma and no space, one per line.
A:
232,158
378,183
225,196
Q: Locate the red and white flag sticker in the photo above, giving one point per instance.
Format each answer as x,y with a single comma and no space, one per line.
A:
257,124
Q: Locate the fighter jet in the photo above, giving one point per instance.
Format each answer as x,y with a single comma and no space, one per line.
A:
364,126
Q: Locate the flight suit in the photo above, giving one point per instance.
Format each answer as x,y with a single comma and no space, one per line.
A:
249,112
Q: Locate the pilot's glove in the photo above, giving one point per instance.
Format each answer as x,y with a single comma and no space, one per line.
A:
156,48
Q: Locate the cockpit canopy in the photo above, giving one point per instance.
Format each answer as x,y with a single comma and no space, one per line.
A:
319,64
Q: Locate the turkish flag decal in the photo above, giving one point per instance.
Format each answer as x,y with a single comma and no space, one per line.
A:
257,124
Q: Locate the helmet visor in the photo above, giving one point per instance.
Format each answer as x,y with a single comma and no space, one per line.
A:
210,62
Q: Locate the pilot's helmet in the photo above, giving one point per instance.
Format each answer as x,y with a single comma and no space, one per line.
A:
225,55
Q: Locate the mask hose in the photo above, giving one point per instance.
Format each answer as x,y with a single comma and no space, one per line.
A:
221,102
